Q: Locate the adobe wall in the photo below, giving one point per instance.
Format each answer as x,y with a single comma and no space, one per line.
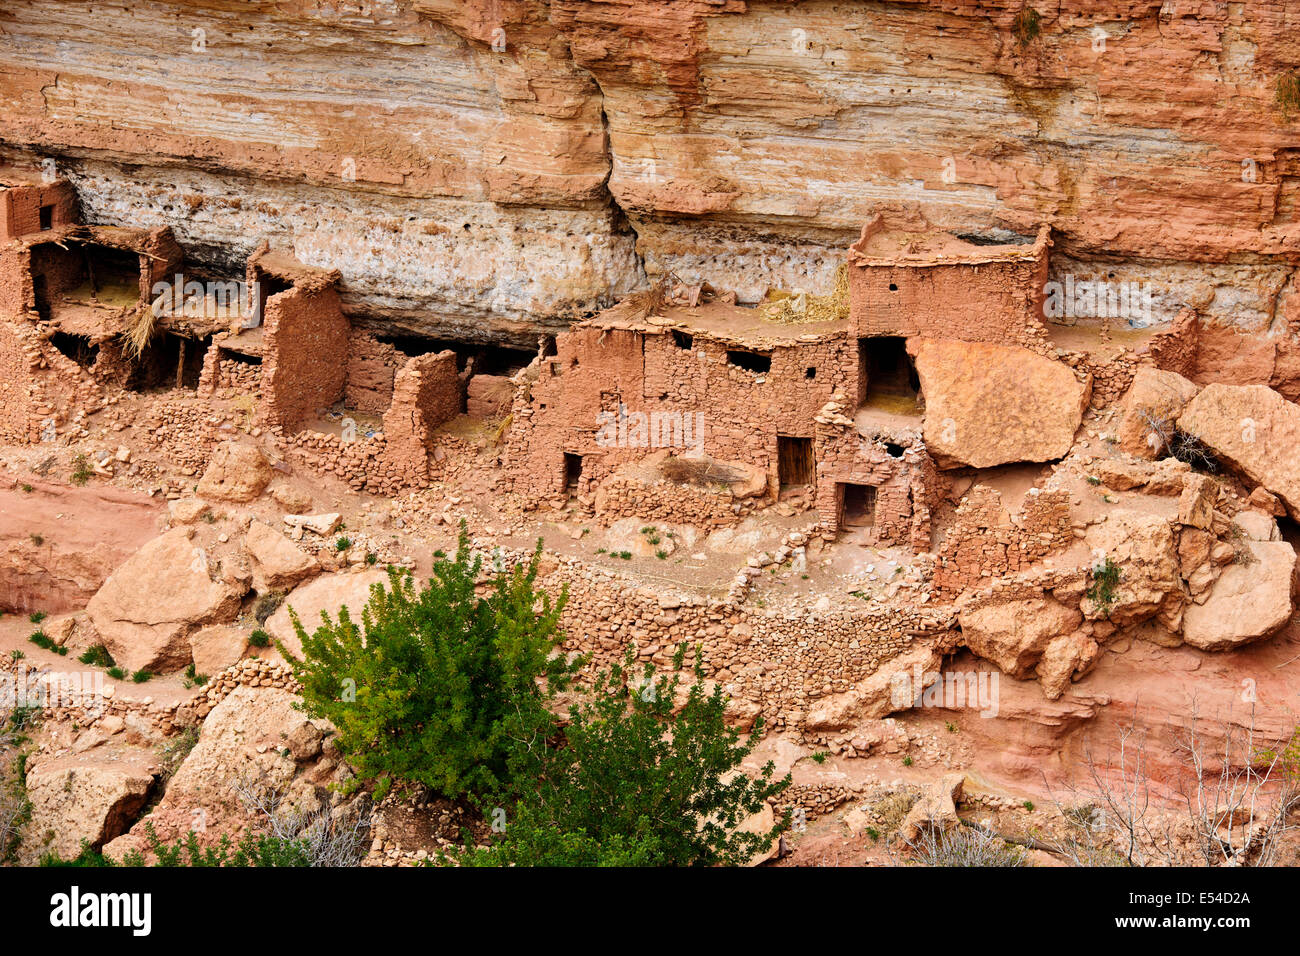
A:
20,207
19,354
998,300
985,541
739,413
426,393
623,496
907,487
15,280
372,366
305,361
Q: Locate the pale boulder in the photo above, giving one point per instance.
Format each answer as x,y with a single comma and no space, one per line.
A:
1149,410
988,405
1065,659
147,608
891,688
1254,429
324,594
936,809
1250,600
87,798
278,563
216,648
1143,547
235,473
1014,633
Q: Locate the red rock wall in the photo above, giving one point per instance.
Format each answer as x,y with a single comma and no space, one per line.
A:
306,359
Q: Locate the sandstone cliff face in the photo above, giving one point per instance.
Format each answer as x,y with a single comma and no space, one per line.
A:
490,167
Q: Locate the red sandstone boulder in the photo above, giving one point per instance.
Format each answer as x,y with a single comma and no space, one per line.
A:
1014,633
1149,411
218,647
1250,600
278,563
988,405
89,797
1143,548
1254,429
147,607
327,593
235,473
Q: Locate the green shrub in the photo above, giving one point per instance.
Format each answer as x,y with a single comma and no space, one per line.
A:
97,656
259,638
437,685
342,544
37,616
81,470
141,676
634,785
117,673
1105,583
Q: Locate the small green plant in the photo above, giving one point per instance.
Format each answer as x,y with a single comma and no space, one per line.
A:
1029,805
1094,480
874,834
625,555
259,638
600,550
952,728
16,655
371,558
195,678
37,616
1026,26
41,639
27,488
820,756
661,554
1105,582
81,471
97,656
1288,93
117,673
140,676
342,543
907,761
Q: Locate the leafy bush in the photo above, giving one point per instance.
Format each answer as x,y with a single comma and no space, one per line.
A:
259,638
437,686
634,785
1105,582
81,470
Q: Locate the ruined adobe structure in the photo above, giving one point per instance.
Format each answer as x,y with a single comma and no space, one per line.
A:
853,361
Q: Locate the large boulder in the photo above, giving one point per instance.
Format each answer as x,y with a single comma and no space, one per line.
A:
988,405
327,593
89,797
1149,410
1250,600
1014,633
147,608
1143,548
278,563
891,688
1255,430
936,809
218,647
245,740
235,473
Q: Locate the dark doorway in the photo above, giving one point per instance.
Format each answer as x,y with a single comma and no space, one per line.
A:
169,361
47,218
859,508
76,347
794,461
572,471
887,369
